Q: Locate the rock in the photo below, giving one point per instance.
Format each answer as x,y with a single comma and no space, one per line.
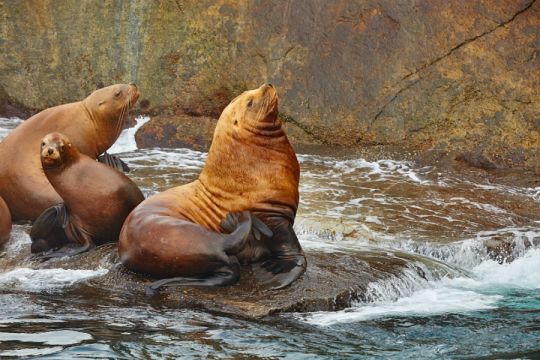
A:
352,73
196,132
177,131
333,281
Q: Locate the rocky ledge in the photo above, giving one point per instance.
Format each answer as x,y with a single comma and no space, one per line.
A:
333,281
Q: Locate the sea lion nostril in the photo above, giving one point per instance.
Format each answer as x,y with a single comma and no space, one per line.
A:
50,151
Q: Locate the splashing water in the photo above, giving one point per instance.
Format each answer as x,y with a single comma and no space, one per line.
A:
126,140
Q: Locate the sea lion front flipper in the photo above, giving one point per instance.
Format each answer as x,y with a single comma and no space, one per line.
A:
278,273
224,276
231,222
240,223
113,161
48,229
259,228
79,241
286,261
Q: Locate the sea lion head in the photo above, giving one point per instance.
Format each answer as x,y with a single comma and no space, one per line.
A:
255,111
56,149
112,100
109,107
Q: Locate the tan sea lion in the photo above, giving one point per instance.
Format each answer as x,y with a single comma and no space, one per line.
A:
5,222
95,200
251,166
93,125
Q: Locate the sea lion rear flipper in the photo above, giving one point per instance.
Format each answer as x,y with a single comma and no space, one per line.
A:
66,251
224,276
113,161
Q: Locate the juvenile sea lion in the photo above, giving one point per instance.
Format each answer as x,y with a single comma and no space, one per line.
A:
5,222
251,166
96,199
93,125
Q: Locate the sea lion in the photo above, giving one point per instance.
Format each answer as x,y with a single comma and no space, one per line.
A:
92,124
96,199
251,166
5,222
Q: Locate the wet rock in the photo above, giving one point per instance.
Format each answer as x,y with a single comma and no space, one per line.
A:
177,131
351,73
333,281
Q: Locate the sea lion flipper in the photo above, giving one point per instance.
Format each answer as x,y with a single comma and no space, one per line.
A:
278,273
231,222
48,230
54,216
79,241
260,228
224,276
66,251
113,161
242,223
286,261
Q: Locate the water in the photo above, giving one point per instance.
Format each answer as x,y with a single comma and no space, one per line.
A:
485,235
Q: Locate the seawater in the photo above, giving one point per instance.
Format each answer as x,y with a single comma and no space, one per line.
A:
490,309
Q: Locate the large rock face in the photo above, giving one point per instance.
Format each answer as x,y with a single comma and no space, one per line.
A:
458,76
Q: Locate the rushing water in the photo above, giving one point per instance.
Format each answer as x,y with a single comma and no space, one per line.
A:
489,309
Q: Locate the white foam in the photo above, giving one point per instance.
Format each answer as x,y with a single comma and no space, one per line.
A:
523,273
60,337
424,302
409,296
7,125
126,140
31,352
36,280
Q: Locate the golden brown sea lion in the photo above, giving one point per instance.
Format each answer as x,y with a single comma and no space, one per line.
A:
93,125
5,222
96,199
250,167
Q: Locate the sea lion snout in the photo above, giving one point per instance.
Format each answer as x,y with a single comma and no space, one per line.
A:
135,93
50,151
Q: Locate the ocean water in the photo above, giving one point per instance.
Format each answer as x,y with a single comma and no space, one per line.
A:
489,308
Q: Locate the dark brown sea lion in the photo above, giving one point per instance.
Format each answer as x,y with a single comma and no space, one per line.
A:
93,125
5,222
96,199
251,166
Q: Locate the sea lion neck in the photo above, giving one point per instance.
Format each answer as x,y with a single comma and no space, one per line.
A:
265,129
106,131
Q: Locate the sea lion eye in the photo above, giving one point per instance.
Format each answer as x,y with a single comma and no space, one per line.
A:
62,148
42,144
117,94
250,102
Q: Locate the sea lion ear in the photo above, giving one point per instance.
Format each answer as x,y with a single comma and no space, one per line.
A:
101,103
